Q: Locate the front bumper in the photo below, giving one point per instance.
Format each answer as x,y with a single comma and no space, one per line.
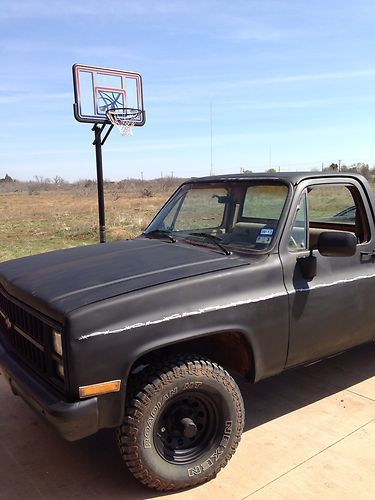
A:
72,420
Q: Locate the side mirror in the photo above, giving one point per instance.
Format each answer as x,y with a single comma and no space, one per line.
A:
337,244
330,244
308,266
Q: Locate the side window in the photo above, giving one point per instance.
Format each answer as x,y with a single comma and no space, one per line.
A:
299,235
336,208
332,204
328,208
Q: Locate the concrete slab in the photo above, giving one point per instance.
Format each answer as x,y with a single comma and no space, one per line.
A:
309,433
343,471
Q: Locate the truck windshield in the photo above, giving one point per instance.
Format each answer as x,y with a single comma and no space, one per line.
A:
239,214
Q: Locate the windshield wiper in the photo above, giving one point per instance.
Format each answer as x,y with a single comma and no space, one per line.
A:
160,233
213,239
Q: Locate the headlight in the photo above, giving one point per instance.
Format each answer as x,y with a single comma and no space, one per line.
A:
57,342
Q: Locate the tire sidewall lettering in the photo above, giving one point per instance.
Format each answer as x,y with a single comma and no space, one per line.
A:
211,458
215,457
147,436
142,441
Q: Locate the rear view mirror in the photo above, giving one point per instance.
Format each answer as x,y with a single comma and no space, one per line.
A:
337,244
221,199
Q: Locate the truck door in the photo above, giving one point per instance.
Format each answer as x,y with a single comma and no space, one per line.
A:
334,310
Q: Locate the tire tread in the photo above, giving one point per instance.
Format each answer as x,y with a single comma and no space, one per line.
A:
150,381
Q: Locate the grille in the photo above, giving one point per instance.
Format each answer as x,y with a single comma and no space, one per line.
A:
26,336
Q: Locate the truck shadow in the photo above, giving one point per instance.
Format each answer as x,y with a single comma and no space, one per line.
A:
36,463
294,389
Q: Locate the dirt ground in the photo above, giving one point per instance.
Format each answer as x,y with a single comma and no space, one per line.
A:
309,434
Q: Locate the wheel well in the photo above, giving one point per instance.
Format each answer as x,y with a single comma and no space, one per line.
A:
228,349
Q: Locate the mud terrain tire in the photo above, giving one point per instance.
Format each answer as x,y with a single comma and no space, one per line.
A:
182,425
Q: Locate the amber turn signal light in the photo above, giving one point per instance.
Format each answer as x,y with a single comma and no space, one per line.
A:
87,391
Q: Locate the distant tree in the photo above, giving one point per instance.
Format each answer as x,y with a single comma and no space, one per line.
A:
271,171
247,172
362,168
333,167
7,178
59,181
358,168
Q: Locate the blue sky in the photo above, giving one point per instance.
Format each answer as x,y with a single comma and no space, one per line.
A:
290,82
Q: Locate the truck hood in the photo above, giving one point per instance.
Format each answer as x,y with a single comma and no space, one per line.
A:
65,280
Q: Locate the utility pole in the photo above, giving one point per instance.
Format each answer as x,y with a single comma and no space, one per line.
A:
211,148
339,165
269,157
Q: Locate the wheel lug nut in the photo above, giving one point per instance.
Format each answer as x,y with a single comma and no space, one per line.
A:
162,429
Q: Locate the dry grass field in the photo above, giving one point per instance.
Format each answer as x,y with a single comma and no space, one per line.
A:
42,216
38,218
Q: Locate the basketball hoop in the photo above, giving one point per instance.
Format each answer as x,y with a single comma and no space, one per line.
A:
124,118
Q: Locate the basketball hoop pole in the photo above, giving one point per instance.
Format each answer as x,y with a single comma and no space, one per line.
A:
98,143
106,96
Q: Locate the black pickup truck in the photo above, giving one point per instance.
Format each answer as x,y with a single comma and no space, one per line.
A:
242,274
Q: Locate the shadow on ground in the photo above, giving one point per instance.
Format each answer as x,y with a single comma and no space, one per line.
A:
294,389
36,463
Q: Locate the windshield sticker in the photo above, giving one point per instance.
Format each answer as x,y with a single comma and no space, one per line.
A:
266,231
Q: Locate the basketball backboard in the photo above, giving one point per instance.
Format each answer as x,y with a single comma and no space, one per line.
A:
96,90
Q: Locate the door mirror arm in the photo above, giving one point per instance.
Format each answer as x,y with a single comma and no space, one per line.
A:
308,265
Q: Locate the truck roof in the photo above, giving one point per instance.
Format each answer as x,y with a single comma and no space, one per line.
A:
291,177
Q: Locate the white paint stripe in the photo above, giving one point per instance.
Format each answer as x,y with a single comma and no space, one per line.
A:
219,307
183,315
338,282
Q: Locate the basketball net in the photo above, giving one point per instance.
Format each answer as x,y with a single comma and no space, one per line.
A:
124,119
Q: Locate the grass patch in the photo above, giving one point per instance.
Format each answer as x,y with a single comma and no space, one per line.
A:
65,218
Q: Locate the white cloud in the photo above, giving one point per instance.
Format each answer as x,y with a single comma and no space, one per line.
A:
29,97
9,99
57,8
190,89
308,77
42,9
335,75
23,46
252,28
300,104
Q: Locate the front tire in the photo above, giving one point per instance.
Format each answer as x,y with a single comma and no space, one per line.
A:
182,425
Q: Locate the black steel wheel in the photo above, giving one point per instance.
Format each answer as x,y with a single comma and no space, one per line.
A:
182,425
186,427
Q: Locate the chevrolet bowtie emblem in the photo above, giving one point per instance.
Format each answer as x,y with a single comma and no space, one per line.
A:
8,323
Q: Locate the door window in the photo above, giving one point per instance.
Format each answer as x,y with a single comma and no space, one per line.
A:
328,208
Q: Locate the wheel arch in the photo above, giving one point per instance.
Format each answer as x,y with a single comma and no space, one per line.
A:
230,349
